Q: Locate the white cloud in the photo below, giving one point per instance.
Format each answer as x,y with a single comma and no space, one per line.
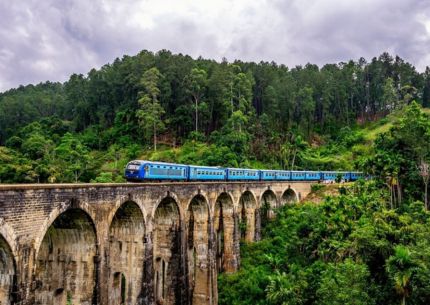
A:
49,40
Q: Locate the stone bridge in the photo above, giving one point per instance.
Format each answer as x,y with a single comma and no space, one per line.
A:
144,243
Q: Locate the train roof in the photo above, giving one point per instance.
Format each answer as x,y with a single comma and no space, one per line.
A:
156,162
211,167
241,169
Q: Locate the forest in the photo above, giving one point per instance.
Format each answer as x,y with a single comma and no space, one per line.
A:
368,245
171,107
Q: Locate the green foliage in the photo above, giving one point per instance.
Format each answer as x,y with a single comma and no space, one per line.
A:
349,249
345,283
150,112
261,115
398,153
317,187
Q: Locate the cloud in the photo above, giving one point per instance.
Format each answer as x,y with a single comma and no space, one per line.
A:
49,40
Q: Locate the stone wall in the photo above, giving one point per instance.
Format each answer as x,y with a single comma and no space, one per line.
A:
128,243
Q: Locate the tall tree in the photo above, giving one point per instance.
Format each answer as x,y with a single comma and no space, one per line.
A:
150,111
400,268
389,97
196,83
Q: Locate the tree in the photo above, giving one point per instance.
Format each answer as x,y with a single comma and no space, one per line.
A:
399,151
346,283
297,145
400,268
72,159
305,108
287,288
150,111
389,97
196,83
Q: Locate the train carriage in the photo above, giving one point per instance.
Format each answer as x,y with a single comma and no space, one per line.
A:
298,175
312,176
239,174
283,175
355,176
206,173
329,176
268,174
332,176
139,170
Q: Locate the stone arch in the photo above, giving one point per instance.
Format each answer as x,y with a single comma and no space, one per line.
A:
289,196
55,213
247,215
167,252
224,228
126,255
65,264
198,232
268,203
7,273
120,203
171,196
8,234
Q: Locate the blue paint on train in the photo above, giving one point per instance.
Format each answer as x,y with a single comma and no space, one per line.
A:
242,174
142,170
206,173
139,170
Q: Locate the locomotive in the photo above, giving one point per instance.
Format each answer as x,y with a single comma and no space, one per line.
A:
142,170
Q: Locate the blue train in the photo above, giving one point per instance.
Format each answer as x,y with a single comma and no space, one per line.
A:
141,170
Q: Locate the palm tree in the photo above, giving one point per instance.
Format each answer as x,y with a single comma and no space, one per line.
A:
400,268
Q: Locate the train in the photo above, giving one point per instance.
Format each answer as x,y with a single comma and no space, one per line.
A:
142,170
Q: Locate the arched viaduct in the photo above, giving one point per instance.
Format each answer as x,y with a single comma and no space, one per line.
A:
157,243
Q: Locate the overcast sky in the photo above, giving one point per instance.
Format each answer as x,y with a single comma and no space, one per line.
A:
51,39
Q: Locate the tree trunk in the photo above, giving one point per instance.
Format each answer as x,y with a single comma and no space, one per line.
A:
391,196
393,192
155,137
425,196
399,193
197,115
294,159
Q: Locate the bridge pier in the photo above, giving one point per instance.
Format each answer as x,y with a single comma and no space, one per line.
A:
128,243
